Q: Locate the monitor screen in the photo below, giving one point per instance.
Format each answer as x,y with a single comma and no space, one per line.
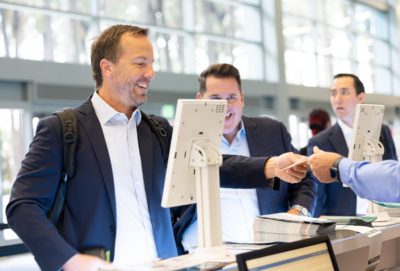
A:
314,257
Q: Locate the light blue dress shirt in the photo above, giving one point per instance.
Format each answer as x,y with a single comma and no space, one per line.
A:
134,236
239,207
374,181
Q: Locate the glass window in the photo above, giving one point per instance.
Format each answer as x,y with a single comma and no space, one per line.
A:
297,34
393,29
371,21
244,56
169,53
40,37
396,86
341,66
325,74
337,13
365,72
236,21
371,50
81,6
333,42
252,2
166,13
297,7
395,64
301,68
381,53
11,150
382,81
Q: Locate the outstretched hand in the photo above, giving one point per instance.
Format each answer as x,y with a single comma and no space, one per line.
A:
274,166
321,163
84,263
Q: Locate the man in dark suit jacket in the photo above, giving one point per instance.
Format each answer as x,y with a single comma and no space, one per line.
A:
249,136
333,199
115,163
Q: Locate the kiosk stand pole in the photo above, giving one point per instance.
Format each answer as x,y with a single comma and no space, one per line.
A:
207,159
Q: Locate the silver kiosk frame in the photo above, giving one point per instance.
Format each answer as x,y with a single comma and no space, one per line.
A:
193,170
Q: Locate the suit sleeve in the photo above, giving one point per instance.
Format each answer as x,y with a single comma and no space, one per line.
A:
390,148
32,196
239,171
245,173
303,193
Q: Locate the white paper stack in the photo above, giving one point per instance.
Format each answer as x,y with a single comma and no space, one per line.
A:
285,227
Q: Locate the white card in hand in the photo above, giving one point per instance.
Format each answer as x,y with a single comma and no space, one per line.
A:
301,161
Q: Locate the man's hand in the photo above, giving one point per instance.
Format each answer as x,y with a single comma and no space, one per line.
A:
321,163
292,175
293,211
81,262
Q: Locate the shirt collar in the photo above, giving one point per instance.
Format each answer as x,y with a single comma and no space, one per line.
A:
105,112
239,134
346,129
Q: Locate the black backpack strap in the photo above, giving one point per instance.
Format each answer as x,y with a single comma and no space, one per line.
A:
160,134
69,127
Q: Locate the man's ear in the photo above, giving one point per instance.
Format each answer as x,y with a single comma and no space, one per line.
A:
199,97
242,98
361,97
107,67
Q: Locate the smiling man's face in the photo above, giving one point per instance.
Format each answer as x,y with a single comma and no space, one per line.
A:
344,99
134,71
226,89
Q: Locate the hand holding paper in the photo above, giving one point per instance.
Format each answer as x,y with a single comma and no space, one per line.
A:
276,167
320,163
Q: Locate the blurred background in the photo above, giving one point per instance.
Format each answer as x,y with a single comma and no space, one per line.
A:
287,52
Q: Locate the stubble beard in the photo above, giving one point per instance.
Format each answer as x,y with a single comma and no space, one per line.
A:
129,94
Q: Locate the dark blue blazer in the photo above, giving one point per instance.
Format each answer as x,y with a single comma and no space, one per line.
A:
89,217
333,198
265,137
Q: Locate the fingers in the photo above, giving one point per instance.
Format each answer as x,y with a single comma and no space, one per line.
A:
316,150
301,168
296,174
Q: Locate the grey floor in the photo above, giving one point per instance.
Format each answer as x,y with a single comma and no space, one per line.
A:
23,262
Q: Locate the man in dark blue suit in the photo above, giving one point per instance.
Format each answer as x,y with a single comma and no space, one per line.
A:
114,199
333,199
251,137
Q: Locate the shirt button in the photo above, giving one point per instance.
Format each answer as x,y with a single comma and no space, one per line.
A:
132,153
112,229
137,183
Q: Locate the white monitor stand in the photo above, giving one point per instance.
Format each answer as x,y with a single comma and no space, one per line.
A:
193,170
365,145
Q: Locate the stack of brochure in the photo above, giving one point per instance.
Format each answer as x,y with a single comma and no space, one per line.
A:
364,221
285,227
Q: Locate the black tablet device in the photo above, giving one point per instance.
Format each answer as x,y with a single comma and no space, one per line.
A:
309,254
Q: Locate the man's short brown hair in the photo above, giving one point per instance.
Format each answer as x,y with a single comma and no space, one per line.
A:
219,71
106,46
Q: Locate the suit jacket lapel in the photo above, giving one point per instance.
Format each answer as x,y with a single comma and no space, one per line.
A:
92,127
337,139
146,155
253,136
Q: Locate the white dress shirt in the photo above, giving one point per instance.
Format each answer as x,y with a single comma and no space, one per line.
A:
362,204
134,234
239,207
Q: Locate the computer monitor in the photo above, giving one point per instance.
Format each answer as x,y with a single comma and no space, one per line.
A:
309,254
193,169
